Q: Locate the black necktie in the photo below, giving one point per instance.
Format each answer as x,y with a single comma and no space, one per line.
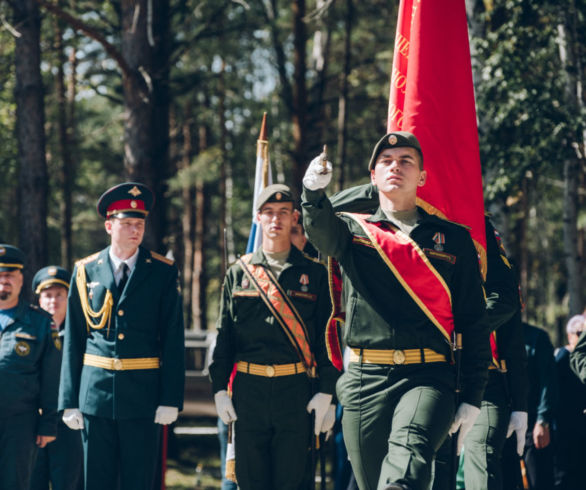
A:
123,278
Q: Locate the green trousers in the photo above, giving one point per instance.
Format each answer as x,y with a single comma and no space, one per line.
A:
483,446
272,436
395,419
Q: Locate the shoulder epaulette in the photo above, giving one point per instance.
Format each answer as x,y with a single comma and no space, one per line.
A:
162,258
40,310
313,259
88,259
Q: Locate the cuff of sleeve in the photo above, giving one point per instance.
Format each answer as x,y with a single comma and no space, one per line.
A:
48,424
472,398
313,197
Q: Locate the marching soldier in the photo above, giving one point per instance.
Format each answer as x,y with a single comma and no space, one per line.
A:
59,464
123,372
29,376
410,281
274,309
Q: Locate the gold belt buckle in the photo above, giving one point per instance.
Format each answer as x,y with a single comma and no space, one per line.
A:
270,371
117,364
398,356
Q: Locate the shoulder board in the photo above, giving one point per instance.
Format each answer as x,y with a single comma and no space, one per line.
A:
88,259
162,258
40,310
313,259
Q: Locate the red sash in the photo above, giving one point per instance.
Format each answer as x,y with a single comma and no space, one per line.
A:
282,309
494,349
337,317
413,270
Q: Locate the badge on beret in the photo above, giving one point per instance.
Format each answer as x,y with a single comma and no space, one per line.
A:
278,196
392,140
52,271
22,348
133,204
2,250
135,191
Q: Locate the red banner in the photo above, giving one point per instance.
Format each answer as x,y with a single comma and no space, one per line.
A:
432,96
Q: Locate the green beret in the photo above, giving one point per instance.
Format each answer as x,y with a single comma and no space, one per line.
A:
274,193
11,258
127,200
396,139
52,275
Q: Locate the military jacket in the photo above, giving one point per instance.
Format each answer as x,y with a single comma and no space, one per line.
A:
380,314
247,331
29,367
578,358
146,322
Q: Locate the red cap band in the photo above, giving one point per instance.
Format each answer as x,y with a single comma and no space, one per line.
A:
126,205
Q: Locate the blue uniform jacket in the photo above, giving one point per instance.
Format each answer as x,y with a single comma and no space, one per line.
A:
146,322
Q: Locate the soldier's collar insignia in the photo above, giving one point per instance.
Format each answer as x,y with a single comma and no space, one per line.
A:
148,261
135,191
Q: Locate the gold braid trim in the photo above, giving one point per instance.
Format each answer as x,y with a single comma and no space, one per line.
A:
105,311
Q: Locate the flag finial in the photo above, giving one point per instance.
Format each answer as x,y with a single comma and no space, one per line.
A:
263,128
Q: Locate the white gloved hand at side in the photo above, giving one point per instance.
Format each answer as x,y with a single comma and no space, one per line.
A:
463,421
329,420
166,415
224,407
320,402
73,418
315,176
518,424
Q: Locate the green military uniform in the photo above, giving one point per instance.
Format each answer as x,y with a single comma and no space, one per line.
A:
272,432
59,464
396,416
122,356
578,358
507,386
29,380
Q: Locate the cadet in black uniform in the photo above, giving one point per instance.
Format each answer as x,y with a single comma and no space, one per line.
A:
60,464
274,309
29,376
122,375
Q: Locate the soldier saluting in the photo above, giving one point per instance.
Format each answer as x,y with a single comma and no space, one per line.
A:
273,313
410,281
123,371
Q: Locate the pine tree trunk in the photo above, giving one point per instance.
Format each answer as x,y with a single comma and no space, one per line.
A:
30,119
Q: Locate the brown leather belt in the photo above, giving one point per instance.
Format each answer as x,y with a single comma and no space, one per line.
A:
115,364
395,356
270,370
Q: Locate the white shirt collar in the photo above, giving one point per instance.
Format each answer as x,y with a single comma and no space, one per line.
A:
117,262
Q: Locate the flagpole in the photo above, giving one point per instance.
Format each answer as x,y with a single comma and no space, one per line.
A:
263,149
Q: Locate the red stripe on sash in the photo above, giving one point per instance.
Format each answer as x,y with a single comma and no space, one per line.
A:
413,270
337,317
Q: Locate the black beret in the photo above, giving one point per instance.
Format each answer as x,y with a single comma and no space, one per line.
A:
11,258
49,276
274,193
395,139
127,200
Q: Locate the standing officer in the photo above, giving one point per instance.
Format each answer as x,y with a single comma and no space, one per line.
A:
410,280
59,464
29,376
123,357
504,406
273,313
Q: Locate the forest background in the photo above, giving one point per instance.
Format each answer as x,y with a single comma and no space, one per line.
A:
171,93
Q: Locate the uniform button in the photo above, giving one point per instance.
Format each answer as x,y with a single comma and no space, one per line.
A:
121,336
120,312
117,364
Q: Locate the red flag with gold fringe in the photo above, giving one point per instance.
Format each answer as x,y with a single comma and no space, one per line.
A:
432,96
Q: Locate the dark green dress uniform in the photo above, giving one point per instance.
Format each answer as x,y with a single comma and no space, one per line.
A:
29,381
59,464
397,416
111,373
272,432
578,358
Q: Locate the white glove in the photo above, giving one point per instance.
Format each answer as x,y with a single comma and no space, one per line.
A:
321,404
316,177
224,407
518,424
73,418
166,415
463,421
329,420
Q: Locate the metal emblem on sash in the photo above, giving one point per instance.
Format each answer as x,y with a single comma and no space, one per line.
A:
439,239
304,281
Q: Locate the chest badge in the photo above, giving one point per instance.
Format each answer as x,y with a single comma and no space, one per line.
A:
440,240
304,281
22,348
245,283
